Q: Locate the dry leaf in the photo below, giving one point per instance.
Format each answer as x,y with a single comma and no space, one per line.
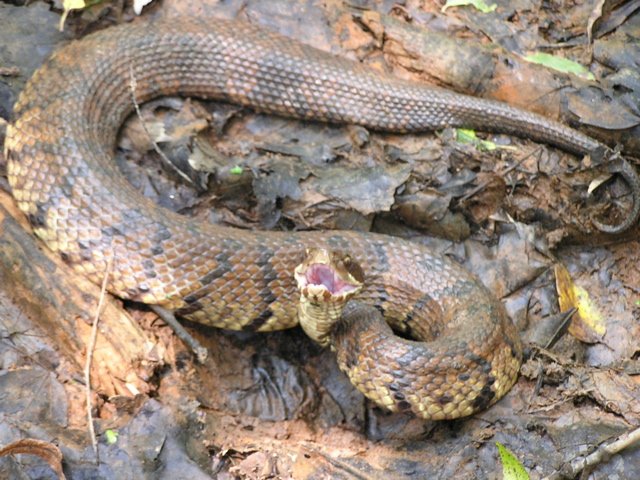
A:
587,324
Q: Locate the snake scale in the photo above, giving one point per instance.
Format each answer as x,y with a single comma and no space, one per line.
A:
60,168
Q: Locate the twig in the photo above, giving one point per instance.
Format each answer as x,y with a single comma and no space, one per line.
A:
169,318
339,464
507,170
562,328
90,349
9,71
133,84
602,454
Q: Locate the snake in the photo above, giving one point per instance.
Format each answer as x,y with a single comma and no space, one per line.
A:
60,147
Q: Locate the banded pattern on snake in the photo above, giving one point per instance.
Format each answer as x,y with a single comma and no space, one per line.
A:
59,150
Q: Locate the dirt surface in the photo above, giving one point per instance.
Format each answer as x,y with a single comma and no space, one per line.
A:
275,405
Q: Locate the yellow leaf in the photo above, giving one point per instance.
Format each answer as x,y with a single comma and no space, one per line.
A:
73,4
69,5
587,324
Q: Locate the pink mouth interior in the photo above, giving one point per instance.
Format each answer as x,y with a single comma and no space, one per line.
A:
319,274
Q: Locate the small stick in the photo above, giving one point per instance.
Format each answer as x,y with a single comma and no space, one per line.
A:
339,464
602,454
133,83
562,328
169,318
557,335
90,348
507,170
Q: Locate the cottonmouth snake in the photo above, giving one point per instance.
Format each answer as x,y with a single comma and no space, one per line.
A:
59,151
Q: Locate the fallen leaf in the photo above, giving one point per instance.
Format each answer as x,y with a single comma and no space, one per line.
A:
512,469
616,392
596,182
73,4
138,5
367,190
587,324
67,6
111,436
464,135
560,64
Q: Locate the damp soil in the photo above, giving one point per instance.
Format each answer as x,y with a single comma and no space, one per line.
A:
275,405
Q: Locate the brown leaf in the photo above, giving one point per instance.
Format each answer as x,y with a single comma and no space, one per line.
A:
489,197
616,392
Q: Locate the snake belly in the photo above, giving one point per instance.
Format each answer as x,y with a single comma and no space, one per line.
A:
62,175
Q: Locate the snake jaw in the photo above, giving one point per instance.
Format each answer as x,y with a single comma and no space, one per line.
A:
326,281
328,276
325,284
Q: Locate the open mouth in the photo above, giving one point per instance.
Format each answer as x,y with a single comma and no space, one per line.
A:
328,276
321,275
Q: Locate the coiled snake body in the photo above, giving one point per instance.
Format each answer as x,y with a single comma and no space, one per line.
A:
62,175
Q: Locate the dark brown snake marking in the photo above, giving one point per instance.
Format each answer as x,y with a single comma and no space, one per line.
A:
60,168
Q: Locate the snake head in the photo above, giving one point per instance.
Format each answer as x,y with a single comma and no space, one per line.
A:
326,280
328,276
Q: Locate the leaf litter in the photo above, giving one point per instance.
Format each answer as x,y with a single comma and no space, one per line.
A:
277,173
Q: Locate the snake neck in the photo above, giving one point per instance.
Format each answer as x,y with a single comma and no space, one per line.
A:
317,319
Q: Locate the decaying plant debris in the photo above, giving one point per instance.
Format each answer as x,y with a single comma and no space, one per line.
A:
275,405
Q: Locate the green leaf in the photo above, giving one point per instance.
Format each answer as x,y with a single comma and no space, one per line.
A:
111,436
512,469
464,135
237,170
478,4
560,64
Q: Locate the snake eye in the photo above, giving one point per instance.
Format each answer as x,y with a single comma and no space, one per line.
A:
353,267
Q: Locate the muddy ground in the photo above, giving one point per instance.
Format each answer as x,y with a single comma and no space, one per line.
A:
275,405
